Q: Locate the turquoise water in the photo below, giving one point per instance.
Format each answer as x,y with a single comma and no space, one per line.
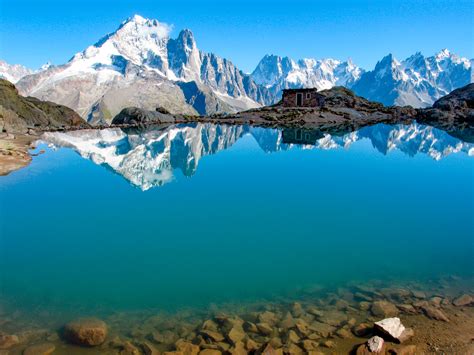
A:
190,216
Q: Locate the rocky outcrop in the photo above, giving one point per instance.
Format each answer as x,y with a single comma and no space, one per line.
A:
19,114
456,108
137,116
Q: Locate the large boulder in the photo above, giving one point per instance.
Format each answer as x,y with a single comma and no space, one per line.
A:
86,332
137,116
393,329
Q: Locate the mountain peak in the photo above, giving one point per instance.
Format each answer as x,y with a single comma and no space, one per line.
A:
444,53
136,18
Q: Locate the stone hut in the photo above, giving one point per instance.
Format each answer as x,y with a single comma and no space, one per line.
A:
302,98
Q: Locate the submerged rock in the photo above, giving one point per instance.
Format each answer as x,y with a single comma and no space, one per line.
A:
434,313
187,347
362,330
236,334
264,328
210,352
40,349
383,309
214,336
7,340
88,332
463,300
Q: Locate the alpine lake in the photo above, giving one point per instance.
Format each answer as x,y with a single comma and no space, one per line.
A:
175,235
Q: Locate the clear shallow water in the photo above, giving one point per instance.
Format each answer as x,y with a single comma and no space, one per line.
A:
188,216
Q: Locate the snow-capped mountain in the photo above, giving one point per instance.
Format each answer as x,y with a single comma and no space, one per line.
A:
140,65
149,158
13,72
278,73
417,81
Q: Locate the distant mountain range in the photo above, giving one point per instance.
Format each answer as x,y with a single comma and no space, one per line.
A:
140,65
149,158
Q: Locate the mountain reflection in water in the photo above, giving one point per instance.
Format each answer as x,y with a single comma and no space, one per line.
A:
147,158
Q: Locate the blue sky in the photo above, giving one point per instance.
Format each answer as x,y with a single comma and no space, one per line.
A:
33,32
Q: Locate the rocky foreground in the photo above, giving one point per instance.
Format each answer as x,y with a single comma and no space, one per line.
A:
360,319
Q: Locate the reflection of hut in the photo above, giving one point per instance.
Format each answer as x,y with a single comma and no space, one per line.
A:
301,136
302,98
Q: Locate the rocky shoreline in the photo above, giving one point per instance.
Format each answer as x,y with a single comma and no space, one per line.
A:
23,119
357,319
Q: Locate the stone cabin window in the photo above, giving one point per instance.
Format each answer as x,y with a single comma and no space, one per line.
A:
308,95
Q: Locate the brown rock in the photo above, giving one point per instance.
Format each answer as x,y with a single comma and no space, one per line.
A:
341,304
343,333
322,329
328,344
251,345
287,322
149,349
383,309
297,310
40,349
314,311
436,301
362,349
268,318
463,300
362,329
293,349
187,348
264,328
210,352
210,325
7,340
250,327
333,318
407,308
86,332
351,322
223,346
236,334
129,349
309,345
406,350
212,335
302,327
406,335
434,313
275,342
238,349
292,337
